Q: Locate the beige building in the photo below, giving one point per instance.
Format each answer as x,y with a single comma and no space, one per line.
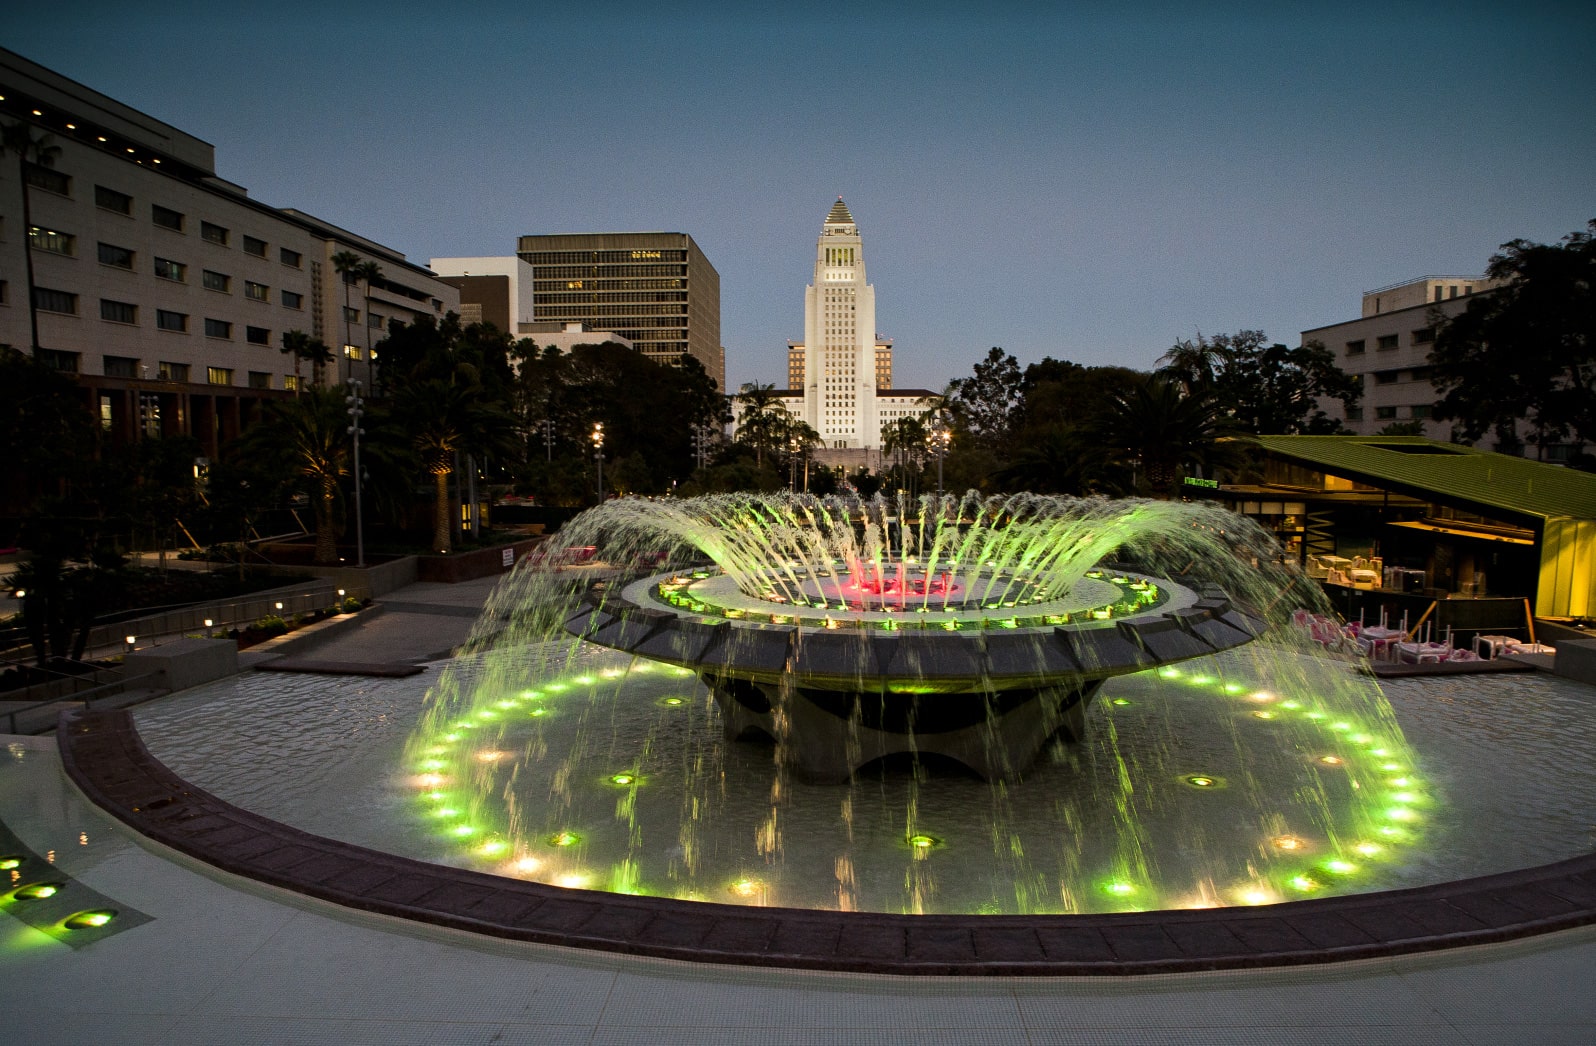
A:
1388,349
656,289
165,289
795,364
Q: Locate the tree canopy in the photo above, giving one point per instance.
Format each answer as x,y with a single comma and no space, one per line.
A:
1266,389
1526,350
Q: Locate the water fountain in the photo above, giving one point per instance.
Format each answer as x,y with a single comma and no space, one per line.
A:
593,738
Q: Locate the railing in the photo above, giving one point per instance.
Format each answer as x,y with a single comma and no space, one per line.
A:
209,618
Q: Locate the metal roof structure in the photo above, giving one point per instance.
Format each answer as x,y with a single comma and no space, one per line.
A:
1495,484
839,214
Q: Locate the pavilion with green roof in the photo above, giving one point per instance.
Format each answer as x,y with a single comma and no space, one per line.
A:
1538,520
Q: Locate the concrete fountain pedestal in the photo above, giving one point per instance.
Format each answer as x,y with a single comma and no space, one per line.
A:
842,689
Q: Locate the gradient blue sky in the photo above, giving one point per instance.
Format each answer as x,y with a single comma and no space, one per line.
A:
1061,180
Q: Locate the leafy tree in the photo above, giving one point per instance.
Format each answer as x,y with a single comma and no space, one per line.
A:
984,403
1526,350
17,139
1265,388
48,438
1061,459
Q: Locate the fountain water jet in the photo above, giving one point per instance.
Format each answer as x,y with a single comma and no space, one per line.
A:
803,620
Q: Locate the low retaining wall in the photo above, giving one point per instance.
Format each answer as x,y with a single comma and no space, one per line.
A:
466,566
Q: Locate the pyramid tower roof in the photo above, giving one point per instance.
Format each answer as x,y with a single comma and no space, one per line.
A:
839,214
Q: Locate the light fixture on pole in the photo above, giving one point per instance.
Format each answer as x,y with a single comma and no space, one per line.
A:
939,438
598,452
355,411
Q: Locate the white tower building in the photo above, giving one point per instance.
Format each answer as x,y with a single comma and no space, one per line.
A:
840,339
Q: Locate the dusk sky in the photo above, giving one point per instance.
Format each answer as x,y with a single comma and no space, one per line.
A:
1049,178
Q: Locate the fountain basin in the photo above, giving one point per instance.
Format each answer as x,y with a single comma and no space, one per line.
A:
857,684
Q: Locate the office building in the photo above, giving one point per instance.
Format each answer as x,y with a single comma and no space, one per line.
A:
656,289
163,288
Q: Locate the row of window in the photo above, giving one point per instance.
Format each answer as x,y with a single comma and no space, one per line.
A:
600,257
125,367
1421,336
619,298
585,272
164,268
541,286
108,199
566,315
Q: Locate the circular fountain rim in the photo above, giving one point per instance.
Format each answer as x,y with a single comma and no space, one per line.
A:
103,754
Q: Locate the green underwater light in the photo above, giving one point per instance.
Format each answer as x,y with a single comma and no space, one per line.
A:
9,863
37,892
89,920
564,839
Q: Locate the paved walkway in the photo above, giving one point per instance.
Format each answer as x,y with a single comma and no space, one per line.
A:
225,960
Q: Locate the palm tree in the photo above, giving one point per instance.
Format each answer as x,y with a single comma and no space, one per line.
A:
16,138
303,347
347,263
1157,425
314,432
368,271
444,416
759,418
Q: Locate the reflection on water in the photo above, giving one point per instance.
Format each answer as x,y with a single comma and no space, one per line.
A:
1147,813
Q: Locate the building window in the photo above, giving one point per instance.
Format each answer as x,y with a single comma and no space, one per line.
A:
374,321
65,362
111,254
1440,293
47,300
1386,377
52,240
219,375
1386,341
1385,413
257,291
290,257
1424,336
1423,410
171,321
292,300
107,415
218,329
118,311
120,367
257,335
173,371
48,180
259,379
166,218
167,269
352,352
216,281
213,233
255,247
351,315
1354,413
290,382
1355,348
111,200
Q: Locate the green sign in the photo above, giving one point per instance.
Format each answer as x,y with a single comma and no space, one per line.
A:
1193,481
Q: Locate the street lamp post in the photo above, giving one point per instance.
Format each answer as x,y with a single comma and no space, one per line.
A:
548,439
939,438
598,451
355,411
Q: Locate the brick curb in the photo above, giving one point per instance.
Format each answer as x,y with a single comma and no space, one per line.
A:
103,753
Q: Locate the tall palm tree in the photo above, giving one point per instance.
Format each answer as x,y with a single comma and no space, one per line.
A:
347,264
760,418
444,416
368,271
303,347
313,431
17,138
1161,428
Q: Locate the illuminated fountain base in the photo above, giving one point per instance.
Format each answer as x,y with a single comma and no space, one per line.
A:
872,668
